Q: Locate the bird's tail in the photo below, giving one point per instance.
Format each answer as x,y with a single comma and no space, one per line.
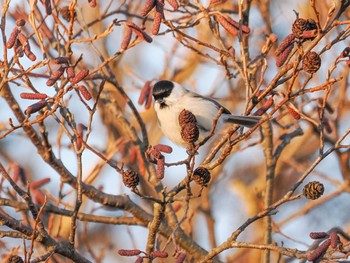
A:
247,121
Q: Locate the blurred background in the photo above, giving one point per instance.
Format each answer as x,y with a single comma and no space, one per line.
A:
190,49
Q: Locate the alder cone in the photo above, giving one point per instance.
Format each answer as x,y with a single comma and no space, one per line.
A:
15,259
130,178
311,62
313,190
186,117
301,25
190,133
201,176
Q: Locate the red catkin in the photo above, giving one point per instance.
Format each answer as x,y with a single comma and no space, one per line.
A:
181,258
33,96
12,39
22,38
158,17
48,7
335,241
19,48
234,23
318,235
174,4
126,39
80,76
163,148
327,126
129,252
317,253
283,56
225,24
70,72
148,103
29,53
288,41
159,254
264,107
39,183
160,167
294,113
84,92
139,32
36,107
148,7
55,76
145,93
155,153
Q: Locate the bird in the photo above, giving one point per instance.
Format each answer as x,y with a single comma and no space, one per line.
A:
171,98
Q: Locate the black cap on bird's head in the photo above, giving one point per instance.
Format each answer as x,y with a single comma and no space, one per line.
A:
162,89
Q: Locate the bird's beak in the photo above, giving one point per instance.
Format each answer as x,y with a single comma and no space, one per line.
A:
160,101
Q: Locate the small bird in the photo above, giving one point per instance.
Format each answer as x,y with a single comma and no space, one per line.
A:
171,99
